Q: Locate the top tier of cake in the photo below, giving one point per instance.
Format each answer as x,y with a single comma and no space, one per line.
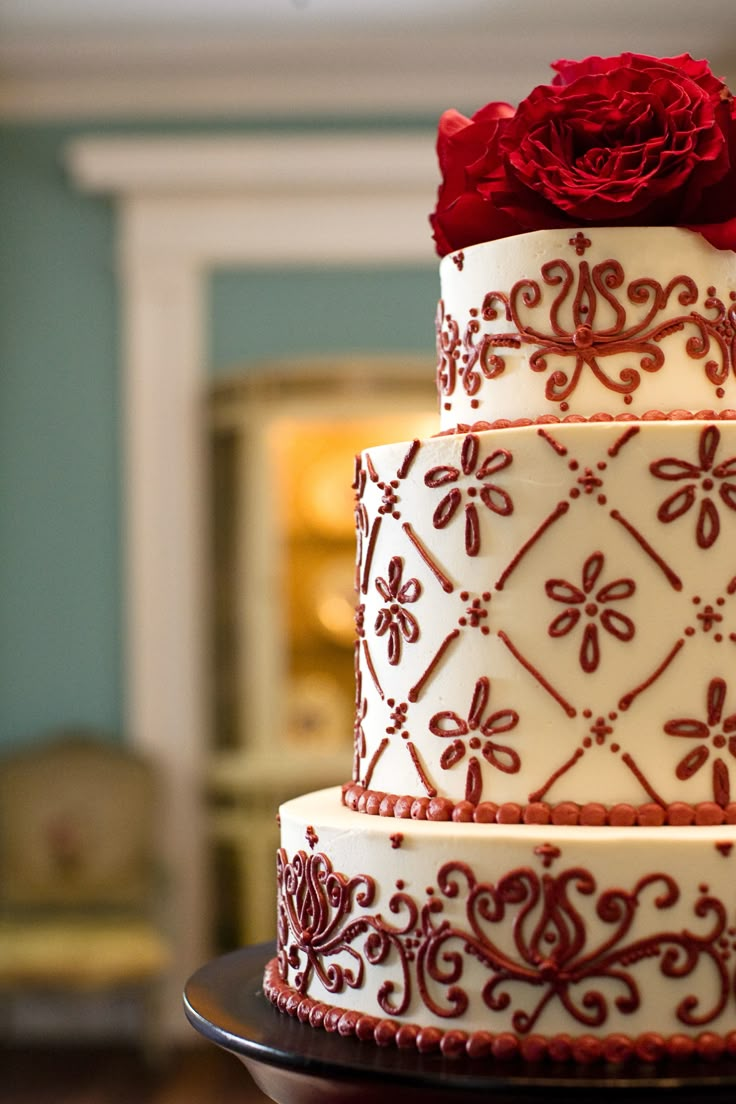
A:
576,324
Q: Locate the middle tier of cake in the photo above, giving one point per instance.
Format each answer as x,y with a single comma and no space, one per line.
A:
547,619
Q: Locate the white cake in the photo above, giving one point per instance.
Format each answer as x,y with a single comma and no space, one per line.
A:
535,855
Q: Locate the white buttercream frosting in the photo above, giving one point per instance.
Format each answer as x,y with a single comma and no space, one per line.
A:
507,929
546,618
538,839
566,322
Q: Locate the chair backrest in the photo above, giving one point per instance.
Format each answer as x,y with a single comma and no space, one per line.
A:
76,825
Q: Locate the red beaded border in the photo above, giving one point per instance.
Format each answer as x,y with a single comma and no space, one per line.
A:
591,814
725,415
584,1050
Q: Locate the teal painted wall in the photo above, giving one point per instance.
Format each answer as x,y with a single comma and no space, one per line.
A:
257,314
59,502
61,612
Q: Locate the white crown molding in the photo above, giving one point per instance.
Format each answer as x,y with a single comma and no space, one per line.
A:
335,199
286,164
331,72
197,75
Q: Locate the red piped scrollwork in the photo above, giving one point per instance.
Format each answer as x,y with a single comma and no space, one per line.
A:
594,315
531,931
316,936
554,953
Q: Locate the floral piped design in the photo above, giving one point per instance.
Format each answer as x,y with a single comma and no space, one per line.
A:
393,620
583,604
476,734
717,732
698,482
470,484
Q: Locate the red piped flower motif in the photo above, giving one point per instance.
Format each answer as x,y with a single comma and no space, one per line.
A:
700,480
716,730
393,618
582,603
492,496
450,725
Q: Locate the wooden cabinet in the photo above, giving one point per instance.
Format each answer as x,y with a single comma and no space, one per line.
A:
283,442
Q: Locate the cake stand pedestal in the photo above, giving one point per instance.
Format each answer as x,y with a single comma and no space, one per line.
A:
293,1063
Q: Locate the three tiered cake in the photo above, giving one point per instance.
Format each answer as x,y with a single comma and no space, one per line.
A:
536,854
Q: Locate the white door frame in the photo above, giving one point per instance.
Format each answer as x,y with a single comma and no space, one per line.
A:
186,206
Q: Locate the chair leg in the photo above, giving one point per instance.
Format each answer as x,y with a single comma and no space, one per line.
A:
7,1019
154,1044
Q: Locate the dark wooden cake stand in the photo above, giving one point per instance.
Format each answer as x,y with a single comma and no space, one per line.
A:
293,1063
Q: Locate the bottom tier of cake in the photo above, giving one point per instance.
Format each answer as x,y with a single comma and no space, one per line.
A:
578,943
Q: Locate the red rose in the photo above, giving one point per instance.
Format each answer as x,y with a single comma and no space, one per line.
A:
470,166
629,140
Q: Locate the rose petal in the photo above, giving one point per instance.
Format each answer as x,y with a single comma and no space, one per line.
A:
615,140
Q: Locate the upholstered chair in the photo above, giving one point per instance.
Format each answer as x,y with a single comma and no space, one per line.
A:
80,887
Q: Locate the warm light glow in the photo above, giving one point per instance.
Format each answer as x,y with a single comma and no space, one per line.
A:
312,463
